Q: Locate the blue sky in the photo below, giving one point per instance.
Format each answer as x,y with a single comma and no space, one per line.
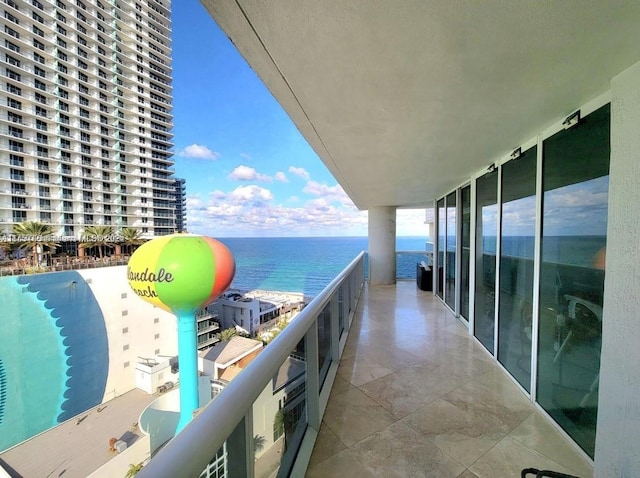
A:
248,170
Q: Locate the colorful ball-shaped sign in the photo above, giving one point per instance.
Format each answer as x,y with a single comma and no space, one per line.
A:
181,273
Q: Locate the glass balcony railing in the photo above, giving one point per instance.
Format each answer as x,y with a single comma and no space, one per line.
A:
266,420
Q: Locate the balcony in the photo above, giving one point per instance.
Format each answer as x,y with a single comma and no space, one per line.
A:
407,393
426,396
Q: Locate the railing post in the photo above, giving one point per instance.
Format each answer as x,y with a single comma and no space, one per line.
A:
313,376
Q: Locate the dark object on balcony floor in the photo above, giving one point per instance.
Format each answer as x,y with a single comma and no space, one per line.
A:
544,474
424,277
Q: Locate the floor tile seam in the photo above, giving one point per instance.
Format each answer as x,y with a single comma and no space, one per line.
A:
345,447
420,434
437,369
383,405
529,447
339,394
526,399
466,469
416,429
399,367
533,451
348,406
481,456
496,396
431,389
368,359
355,457
432,441
502,425
484,421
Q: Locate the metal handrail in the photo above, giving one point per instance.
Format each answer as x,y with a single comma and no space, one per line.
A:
189,452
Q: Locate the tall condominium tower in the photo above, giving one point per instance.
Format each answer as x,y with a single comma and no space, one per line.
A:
181,205
85,127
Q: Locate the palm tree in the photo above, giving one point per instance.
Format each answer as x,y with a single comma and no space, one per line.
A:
133,470
99,236
131,237
227,334
5,244
34,237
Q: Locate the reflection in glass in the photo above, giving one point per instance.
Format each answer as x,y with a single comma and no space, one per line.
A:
465,239
575,185
441,244
516,266
279,417
450,284
486,227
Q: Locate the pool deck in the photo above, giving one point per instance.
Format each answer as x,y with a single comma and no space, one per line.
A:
80,445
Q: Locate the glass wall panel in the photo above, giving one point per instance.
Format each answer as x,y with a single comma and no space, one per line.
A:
341,327
575,200
280,418
516,266
486,228
441,245
324,342
450,283
465,239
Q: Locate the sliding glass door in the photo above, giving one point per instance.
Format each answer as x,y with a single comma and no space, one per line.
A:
515,314
465,256
450,268
442,228
574,226
486,229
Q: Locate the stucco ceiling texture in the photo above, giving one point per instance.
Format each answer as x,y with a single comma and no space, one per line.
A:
404,99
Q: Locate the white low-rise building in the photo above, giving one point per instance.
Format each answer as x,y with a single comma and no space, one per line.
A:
252,312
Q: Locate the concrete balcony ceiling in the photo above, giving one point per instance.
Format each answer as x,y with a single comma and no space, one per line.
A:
405,99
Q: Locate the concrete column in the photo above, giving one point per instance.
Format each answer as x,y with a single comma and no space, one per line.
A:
382,245
618,432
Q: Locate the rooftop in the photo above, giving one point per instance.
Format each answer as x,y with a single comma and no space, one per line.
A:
415,395
79,446
230,350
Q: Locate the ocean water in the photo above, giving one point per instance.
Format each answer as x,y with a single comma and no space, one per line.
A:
309,264
301,264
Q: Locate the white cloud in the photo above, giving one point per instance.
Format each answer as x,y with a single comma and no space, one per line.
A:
330,193
300,172
194,201
280,176
250,211
245,173
411,222
199,151
250,193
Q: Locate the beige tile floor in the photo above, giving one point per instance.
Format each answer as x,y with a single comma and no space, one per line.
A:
416,396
